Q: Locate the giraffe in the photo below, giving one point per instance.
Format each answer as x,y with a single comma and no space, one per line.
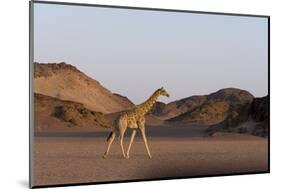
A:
133,119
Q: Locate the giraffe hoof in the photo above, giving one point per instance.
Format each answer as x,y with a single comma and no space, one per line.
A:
150,157
104,156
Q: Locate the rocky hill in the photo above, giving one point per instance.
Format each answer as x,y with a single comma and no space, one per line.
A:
213,108
66,82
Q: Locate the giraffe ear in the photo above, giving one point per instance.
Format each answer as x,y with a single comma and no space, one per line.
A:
162,87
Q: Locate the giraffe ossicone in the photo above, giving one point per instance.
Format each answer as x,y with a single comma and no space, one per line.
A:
133,119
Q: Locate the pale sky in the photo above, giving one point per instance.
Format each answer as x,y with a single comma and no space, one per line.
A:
134,52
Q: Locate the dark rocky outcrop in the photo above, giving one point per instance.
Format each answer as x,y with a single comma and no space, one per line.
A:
250,118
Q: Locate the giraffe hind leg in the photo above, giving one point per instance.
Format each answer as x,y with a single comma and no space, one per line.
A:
110,139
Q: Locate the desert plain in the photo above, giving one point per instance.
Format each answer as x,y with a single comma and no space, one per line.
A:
77,157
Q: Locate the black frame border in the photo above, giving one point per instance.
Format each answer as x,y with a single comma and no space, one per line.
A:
31,103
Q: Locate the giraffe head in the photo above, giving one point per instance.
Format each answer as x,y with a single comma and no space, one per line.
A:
163,92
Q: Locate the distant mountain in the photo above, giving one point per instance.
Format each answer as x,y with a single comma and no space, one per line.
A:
212,108
232,95
66,82
251,118
178,107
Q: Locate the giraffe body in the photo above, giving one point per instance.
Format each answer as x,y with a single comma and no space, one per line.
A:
133,119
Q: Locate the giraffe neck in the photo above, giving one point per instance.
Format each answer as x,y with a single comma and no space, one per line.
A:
146,106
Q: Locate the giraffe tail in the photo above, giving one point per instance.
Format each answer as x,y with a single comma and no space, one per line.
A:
115,124
109,136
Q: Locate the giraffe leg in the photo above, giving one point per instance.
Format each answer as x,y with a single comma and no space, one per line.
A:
111,139
122,132
145,141
131,141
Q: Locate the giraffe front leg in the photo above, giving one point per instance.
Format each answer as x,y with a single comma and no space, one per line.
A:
145,141
122,132
131,141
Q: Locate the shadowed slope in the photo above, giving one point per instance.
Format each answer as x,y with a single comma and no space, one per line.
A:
53,114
